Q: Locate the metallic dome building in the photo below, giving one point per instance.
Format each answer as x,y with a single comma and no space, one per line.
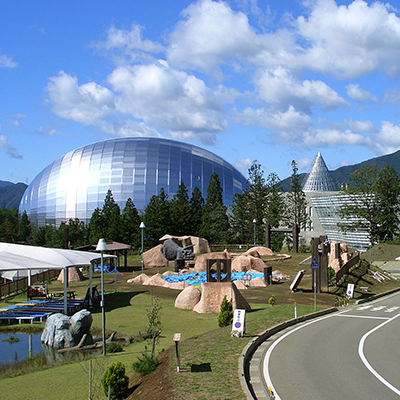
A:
76,184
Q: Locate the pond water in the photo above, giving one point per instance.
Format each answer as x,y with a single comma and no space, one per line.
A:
28,345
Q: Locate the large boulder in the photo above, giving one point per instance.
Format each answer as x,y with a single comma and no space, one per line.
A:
244,263
212,295
155,280
200,245
62,331
188,298
259,251
138,279
201,260
154,257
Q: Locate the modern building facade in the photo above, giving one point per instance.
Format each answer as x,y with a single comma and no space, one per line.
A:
76,184
324,201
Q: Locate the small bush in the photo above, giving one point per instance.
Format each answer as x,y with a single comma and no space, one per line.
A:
225,316
145,364
115,378
272,300
114,347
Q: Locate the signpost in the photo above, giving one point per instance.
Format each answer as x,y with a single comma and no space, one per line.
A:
177,339
350,291
238,322
314,266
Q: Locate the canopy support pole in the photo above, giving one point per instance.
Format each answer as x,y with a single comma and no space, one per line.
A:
65,290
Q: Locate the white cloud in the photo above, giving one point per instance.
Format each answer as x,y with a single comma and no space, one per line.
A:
304,163
211,34
7,62
332,137
358,94
361,126
87,104
350,41
387,140
169,99
243,164
280,86
287,124
7,148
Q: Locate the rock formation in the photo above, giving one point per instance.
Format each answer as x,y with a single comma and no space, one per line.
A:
154,257
188,298
201,260
213,294
62,331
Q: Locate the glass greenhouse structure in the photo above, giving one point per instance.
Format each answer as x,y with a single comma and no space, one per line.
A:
76,184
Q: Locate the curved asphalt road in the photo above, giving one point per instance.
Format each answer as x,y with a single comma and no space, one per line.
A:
352,354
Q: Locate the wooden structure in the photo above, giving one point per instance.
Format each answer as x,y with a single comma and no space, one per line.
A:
320,247
223,267
113,248
295,230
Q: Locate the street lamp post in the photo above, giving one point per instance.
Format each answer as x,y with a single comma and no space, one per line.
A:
142,226
254,222
102,246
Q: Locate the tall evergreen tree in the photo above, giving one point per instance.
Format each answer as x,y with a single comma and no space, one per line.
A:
241,229
215,223
296,202
96,226
157,217
25,230
130,222
196,211
257,196
275,209
180,212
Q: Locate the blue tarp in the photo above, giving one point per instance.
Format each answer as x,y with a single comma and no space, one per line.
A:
197,278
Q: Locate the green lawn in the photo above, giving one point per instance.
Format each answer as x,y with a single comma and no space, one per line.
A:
209,355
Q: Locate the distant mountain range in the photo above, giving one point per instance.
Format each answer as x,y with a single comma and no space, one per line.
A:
11,193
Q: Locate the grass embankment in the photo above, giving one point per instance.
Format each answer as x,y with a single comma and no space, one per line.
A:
209,356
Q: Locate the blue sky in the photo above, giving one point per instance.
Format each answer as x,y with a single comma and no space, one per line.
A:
272,81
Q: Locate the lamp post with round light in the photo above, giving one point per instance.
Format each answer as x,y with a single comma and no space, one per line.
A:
254,222
102,246
142,226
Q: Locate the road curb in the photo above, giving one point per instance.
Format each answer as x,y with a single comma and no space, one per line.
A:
250,348
377,296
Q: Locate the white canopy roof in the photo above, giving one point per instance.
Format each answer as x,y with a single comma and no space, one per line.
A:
22,257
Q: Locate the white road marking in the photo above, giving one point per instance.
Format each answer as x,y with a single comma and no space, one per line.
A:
391,309
361,316
365,361
363,307
378,308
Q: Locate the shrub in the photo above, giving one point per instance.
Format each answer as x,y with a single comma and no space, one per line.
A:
145,364
114,347
225,316
272,300
115,378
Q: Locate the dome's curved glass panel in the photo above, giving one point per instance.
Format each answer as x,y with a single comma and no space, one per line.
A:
137,168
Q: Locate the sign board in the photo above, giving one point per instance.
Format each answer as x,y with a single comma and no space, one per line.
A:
177,337
350,291
238,322
314,264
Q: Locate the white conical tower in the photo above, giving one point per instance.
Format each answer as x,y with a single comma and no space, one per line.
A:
319,179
